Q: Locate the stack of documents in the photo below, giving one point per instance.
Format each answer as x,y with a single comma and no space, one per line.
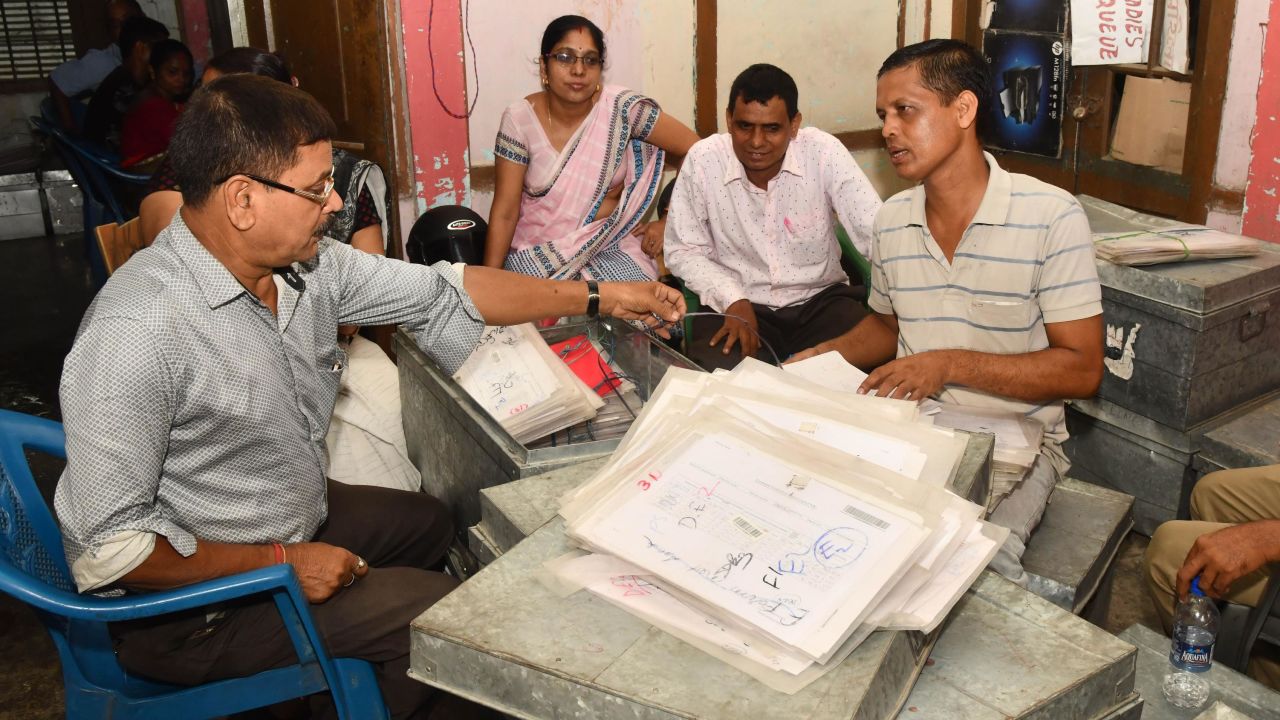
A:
525,386
1175,244
1017,441
774,522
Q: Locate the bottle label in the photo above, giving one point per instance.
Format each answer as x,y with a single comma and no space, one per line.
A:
1193,658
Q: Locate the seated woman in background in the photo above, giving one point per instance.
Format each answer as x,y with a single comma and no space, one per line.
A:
365,442
577,166
147,127
358,224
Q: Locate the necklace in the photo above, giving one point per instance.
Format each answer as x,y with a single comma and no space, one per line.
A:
546,108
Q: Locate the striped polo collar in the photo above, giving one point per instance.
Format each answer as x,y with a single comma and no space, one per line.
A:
994,208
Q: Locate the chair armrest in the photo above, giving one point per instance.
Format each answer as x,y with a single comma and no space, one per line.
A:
108,165
100,157
131,607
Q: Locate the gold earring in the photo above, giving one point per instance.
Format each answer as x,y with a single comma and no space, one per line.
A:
597,87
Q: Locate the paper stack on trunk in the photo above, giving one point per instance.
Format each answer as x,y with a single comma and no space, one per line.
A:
1175,244
1017,442
774,522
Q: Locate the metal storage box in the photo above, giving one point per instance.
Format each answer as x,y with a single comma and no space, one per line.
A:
460,448
1121,449
1186,341
1250,440
21,213
64,200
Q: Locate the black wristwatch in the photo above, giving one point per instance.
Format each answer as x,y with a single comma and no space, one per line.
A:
593,299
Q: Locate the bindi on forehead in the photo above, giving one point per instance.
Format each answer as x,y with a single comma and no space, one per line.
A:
578,39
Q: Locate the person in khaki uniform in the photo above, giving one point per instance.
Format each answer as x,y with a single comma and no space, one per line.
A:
1233,533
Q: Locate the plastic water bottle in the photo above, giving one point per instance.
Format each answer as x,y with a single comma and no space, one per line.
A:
1195,627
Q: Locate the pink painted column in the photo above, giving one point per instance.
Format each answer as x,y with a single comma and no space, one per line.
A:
1262,195
439,140
195,30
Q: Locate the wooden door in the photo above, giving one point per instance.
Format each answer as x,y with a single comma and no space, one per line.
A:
338,51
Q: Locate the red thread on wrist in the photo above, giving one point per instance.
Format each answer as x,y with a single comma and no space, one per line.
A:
279,551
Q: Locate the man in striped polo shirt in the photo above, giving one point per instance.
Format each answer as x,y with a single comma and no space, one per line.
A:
984,290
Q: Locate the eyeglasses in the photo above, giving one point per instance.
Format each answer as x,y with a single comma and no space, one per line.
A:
567,59
319,198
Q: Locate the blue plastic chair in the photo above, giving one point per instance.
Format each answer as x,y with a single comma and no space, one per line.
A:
34,570
94,168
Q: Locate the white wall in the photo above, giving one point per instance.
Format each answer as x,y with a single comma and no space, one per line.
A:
831,47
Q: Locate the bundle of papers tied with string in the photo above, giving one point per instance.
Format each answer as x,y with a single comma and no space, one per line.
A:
774,522
525,386
1174,244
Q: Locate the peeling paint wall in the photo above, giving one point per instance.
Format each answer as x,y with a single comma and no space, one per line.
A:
436,91
1262,206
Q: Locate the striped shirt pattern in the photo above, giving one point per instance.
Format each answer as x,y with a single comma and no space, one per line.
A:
1025,260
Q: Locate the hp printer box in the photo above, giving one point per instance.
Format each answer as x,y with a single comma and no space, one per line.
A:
1029,83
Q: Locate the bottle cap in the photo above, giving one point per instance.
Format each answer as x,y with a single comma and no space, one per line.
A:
1195,587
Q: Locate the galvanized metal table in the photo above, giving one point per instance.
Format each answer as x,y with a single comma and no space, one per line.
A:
505,640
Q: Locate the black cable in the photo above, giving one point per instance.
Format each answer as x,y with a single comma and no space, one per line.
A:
708,313
431,59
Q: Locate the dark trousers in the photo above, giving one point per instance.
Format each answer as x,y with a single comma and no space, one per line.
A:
788,330
400,534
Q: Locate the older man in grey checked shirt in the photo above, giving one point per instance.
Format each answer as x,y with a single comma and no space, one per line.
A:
198,393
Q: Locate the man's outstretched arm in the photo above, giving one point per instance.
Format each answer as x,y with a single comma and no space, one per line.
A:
1071,367
507,298
870,343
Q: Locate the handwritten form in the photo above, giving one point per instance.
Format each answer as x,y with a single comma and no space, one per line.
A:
525,386
773,522
728,526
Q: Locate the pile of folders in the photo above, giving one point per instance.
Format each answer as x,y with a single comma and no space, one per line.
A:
544,394
775,519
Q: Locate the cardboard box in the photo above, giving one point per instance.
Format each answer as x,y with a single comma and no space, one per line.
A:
1151,128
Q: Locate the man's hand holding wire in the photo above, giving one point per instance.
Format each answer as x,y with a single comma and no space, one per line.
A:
656,305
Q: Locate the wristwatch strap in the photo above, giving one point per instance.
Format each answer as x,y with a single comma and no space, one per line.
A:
593,298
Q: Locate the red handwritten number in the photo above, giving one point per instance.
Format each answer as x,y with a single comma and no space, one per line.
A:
654,476
519,408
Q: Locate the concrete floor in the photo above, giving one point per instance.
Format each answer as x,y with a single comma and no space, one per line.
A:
44,290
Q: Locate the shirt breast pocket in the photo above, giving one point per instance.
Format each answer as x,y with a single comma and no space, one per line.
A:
809,226
995,325
331,365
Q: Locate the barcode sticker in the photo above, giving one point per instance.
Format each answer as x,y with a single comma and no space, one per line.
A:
747,527
866,517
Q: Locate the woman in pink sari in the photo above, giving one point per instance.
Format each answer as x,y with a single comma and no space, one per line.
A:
577,166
